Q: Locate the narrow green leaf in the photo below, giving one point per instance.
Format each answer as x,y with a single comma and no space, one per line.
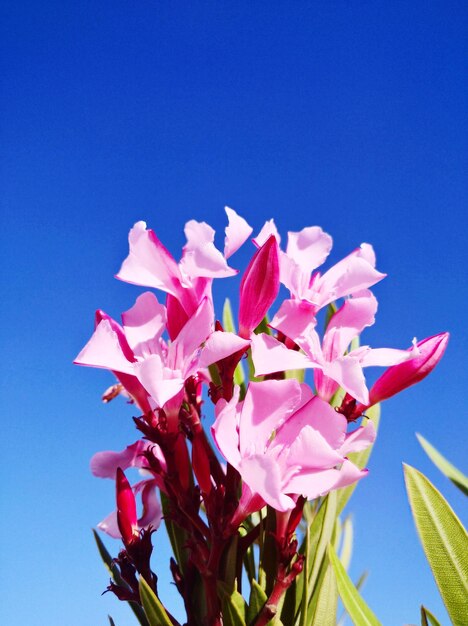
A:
257,600
327,600
329,313
320,535
233,605
427,618
347,543
305,574
111,621
177,536
114,572
444,540
357,609
359,458
458,478
297,374
154,610
229,326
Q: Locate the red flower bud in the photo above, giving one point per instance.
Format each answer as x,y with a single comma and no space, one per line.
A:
399,377
126,509
259,287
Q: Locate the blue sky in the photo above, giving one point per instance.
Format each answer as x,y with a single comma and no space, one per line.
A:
351,116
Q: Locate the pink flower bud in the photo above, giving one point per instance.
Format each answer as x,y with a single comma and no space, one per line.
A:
259,287
126,509
401,376
201,463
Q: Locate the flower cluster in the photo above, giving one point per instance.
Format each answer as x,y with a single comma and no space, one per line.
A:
280,441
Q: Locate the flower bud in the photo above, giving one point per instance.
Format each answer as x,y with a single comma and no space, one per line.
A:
399,377
126,509
259,287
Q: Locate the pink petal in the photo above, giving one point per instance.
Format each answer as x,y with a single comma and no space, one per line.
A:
359,439
177,317
201,257
144,324
312,484
268,229
319,415
293,276
386,356
103,350
295,319
109,525
347,372
349,474
152,512
237,232
263,476
105,464
270,355
311,451
348,322
349,275
219,345
149,263
225,429
160,382
266,406
192,335
309,248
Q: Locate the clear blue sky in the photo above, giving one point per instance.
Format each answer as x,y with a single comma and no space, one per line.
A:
349,115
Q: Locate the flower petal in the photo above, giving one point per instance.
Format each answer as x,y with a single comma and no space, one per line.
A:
149,263
263,475
103,350
219,345
309,248
201,257
144,324
270,355
266,406
237,232
104,464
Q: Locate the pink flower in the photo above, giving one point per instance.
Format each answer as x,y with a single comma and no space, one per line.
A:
259,287
107,465
305,252
333,366
410,372
137,353
151,265
286,442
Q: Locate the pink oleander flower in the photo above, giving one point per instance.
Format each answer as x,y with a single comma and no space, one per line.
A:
186,283
286,442
410,372
334,367
106,465
137,353
259,287
311,291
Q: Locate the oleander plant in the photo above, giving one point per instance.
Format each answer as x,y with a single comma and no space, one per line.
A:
254,430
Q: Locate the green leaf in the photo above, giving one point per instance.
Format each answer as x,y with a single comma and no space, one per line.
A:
233,605
297,374
458,478
305,574
327,600
347,543
154,610
257,600
114,572
357,609
230,327
321,532
444,540
177,535
427,618
359,458
111,621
